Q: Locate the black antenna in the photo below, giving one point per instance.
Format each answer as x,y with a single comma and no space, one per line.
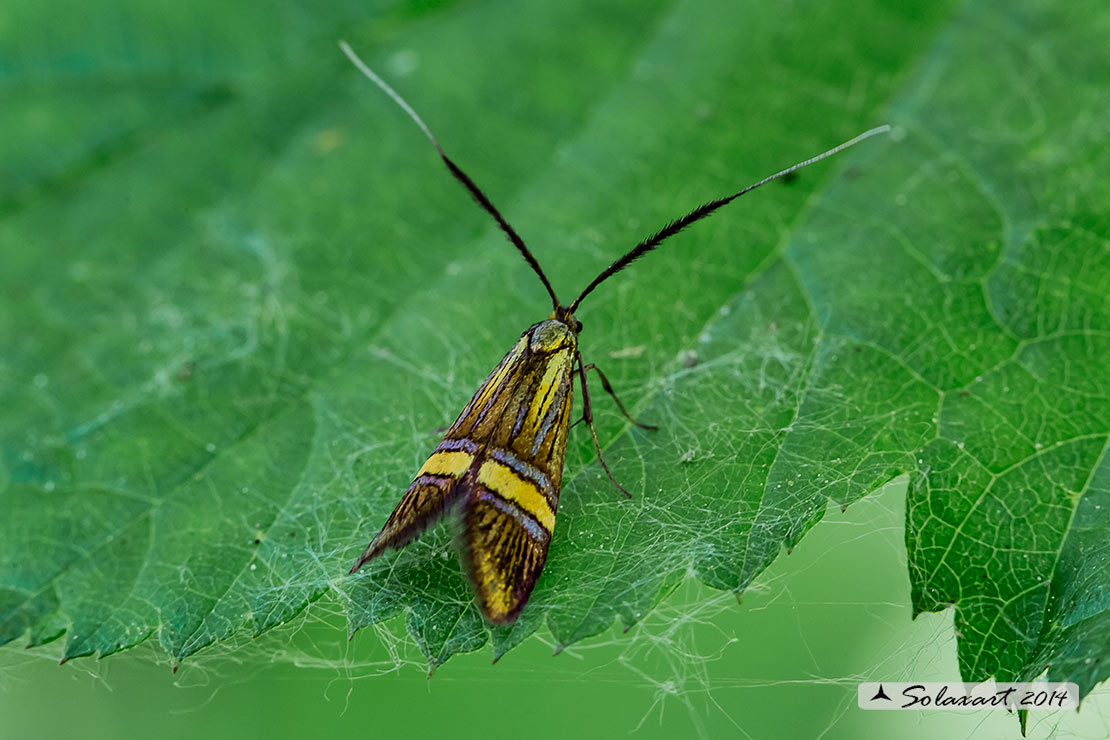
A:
704,210
461,176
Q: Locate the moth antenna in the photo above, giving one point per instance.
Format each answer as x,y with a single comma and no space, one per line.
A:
455,170
706,209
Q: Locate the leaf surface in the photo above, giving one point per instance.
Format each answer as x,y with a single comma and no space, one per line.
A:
239,292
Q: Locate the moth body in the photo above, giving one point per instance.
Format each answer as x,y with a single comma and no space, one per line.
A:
501,464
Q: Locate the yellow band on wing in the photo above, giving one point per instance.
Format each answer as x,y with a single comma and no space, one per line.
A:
503,481
453,464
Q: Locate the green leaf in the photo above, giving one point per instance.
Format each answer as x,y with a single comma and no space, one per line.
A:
239,291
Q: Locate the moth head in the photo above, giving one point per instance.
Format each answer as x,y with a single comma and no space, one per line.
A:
548,337
565,316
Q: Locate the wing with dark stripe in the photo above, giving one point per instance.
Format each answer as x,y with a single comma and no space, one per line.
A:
432,493
510,503
502,461
505,553
524,406
437,485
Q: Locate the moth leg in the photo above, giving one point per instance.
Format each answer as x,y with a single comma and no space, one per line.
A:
609,389
588,415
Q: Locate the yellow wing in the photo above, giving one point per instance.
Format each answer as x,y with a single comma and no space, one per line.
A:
502,462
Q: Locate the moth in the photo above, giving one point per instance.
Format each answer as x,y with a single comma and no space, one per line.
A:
500,465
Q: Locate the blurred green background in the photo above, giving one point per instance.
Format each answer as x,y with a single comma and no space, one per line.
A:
218,98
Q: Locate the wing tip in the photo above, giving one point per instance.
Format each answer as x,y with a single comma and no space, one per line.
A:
377,546
500,618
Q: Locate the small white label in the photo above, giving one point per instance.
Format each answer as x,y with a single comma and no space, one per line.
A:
956,696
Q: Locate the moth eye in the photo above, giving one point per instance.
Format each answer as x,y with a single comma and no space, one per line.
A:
577,326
